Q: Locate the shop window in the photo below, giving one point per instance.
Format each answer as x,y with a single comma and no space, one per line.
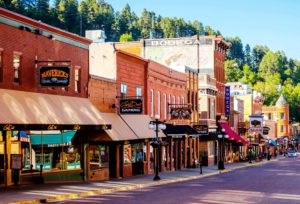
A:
98,157
123,91
137,153
270,116
138,92
17,67
77,80
53,151
127,154
282,115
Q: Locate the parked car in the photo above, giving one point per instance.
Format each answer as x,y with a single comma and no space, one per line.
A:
292,153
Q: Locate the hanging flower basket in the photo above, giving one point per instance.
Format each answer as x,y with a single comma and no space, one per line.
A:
158,143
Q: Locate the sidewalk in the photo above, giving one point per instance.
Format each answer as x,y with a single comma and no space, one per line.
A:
58,192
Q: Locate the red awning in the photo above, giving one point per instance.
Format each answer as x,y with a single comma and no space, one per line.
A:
231,134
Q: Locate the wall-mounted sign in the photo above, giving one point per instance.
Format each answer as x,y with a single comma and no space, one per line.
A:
181,113
131,106
16,161
256,124
201,129
266,130
227,100
54,76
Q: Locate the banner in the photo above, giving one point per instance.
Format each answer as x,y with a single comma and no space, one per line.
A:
227,100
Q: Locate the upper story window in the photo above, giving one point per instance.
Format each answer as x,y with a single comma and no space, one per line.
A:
158,103
169,107
282,129
152,102
17,67
1,68
123,90
282,115
182,100
138,92
269,116
77,80
165,106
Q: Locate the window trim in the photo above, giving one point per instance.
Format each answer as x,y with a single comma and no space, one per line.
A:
19,69
77,82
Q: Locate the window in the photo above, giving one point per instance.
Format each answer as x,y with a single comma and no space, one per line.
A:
123,91
178,100
282,115
1,69
174,101
182,100
17,67
269,116
152,102
282,128
165,106
138,92
98,157
209,109
169,107
158,103
77,80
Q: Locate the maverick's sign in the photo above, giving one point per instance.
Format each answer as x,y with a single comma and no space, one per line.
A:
55,76
128,106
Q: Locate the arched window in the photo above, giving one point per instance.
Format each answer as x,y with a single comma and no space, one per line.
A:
158,103
152,102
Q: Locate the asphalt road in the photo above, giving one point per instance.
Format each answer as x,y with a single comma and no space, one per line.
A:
276,182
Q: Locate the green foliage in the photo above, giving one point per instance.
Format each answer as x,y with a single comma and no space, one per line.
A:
126,37
232,70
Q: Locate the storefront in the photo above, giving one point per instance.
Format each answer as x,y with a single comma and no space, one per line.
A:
184,150
27,156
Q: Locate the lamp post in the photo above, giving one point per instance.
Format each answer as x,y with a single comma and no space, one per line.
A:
222,135
156,125
250,137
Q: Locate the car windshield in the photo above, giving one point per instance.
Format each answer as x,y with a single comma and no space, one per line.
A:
291,151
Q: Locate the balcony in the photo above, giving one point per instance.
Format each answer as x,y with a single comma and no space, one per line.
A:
206,81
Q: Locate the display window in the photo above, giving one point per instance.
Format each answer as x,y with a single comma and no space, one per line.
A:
98,157
127,154
137,152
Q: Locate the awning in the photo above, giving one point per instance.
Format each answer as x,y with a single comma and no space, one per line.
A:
231,134
52,137
120,131
180,130
22,110
139,125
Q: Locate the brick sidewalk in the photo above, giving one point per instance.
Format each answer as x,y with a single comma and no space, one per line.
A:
56,192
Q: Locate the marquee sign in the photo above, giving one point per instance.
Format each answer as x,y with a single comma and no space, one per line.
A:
131,106
227,100
55,76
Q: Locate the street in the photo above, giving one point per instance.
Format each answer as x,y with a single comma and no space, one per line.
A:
276,182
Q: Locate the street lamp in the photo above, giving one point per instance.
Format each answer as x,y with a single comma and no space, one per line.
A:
250,137
156,125
222,135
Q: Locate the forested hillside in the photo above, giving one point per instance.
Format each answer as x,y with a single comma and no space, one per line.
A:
263,69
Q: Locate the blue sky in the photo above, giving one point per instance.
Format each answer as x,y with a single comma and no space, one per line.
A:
274,23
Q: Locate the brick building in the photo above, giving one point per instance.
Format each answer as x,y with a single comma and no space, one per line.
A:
43,86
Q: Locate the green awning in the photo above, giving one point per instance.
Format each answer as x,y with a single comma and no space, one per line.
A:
51,139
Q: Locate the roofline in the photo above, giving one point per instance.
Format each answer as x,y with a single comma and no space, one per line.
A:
23,19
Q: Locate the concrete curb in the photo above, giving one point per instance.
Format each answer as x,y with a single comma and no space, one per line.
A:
134,186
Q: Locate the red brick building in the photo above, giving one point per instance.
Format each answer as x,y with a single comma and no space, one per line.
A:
43,86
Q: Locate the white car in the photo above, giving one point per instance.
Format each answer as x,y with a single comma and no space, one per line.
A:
292,153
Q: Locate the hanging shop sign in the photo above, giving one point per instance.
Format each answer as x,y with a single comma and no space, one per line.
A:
55,76
266,130
227,100
131,106
201,129
256,124
181,113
